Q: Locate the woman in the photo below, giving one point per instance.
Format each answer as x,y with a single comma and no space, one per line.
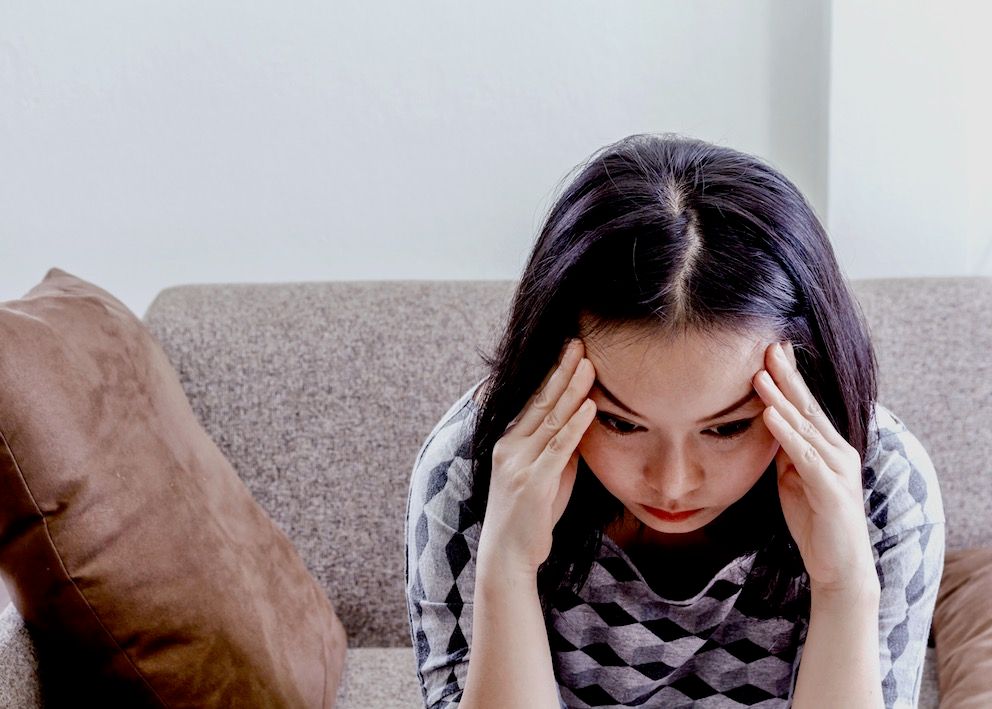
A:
648,501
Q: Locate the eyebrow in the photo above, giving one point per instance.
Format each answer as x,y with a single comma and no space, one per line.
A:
740,403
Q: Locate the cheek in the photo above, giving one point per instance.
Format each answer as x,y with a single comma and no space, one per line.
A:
756,456
589,446
765,442
603,456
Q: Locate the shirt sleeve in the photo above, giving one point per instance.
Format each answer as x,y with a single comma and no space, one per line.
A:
442,541
909,567
906,526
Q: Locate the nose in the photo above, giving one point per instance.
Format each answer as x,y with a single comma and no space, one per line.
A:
675,476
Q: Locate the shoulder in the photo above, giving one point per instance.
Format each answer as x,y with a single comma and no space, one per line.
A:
446,448
438,505
480,390
900,485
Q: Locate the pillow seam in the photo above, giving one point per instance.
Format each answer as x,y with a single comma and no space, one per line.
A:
58,555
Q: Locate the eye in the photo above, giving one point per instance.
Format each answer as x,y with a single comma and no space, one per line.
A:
616,426
732,430
727,431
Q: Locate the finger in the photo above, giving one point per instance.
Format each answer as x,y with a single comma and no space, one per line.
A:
809,465
561,446
790,382
567,352
798,426
543,401
570,400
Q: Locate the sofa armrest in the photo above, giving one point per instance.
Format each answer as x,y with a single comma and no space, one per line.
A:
19,685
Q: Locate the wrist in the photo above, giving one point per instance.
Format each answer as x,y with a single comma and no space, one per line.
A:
864,591
497,565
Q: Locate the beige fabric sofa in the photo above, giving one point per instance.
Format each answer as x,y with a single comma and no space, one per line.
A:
321,394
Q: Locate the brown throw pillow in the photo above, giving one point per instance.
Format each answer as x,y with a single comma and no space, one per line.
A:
145,571
962,625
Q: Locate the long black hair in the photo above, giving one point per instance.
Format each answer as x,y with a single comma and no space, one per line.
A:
672,234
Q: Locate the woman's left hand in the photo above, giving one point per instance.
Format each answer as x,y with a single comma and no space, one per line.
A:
819,482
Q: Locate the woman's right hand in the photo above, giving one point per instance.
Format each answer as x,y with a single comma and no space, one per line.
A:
534,467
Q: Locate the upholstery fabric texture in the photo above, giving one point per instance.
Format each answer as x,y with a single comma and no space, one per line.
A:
143,568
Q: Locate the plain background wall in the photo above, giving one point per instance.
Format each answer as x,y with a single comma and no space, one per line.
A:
144,145
149,144
909,138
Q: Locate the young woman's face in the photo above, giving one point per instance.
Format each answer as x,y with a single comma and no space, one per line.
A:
656,441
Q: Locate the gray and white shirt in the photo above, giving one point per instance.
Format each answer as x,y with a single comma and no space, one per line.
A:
618,643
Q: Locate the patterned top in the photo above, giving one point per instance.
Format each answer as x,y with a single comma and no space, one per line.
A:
619,644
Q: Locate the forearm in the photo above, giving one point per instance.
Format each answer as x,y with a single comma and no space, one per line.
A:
840,665
510,663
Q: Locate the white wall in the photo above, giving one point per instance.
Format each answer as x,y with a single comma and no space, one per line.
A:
148,144
910,145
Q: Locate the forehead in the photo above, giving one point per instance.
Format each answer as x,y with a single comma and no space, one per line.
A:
723,346
684,376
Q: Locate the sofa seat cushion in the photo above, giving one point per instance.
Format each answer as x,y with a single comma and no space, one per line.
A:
380,677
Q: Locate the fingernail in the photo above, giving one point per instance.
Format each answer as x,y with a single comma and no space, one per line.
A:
569,354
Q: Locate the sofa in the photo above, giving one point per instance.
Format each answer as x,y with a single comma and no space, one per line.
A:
320,395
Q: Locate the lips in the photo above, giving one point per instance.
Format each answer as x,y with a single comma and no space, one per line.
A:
670,516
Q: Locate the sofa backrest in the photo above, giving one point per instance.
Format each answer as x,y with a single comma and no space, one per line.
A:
933,341
321,394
